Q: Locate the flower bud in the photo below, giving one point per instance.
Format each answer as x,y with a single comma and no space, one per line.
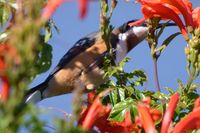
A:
199,58
196,64
187,50
194,43
199,65
197,32
189,29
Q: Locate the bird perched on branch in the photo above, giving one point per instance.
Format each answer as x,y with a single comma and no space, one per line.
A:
83,62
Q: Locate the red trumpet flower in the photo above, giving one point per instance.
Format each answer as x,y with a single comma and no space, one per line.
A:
146,119
190,122
169,113
165,9
6,51
196,17
52,6
4,88
96,115
171,9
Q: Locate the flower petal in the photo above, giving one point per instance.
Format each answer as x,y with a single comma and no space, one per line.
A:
83,6
4,89
155,114
96,111
169,112
185,8
190,122
147,122
153,9
196,104
196,17
51,7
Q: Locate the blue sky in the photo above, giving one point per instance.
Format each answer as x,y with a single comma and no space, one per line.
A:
171,64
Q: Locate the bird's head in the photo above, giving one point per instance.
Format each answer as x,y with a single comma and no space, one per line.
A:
131,33
127,36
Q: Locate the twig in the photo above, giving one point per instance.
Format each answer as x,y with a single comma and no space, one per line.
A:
156,74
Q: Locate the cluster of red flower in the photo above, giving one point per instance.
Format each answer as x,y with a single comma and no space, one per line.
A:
96,115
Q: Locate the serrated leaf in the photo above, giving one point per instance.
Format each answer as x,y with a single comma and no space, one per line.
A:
113,97
117,95
121,94
139,95
118,111
130,90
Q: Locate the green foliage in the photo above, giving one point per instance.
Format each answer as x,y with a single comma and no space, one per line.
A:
23,31
119,110
33,56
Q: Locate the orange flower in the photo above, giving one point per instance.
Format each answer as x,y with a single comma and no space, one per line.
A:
6,51
52,5
188,123
146,119
5,88
196,17
126,126
183,7
96,114
83,6
169,112
196,104
162,10
155,114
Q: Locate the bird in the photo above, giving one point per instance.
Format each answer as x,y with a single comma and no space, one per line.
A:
83,62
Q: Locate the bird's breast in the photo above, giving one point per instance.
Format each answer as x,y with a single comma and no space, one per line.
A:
64,80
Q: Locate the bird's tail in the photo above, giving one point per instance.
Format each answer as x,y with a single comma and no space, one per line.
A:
34,95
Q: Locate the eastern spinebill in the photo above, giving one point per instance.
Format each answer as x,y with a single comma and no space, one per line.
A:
83,62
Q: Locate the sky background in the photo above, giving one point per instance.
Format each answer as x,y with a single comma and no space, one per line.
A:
171,64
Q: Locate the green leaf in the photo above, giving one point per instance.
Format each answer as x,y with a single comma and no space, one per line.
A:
4,15
162,29
118,111
195,131
48,33
130,90
168,40
171,91
133,111
54,26
139,95
121,94
117,95
44,61
113,97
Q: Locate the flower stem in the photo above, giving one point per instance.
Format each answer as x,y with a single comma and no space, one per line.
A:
156,74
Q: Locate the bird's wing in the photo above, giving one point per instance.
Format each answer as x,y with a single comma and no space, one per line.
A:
80,46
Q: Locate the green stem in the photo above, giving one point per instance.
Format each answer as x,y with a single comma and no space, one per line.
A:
156,74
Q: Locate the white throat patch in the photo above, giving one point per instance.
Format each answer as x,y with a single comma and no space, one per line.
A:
121,49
